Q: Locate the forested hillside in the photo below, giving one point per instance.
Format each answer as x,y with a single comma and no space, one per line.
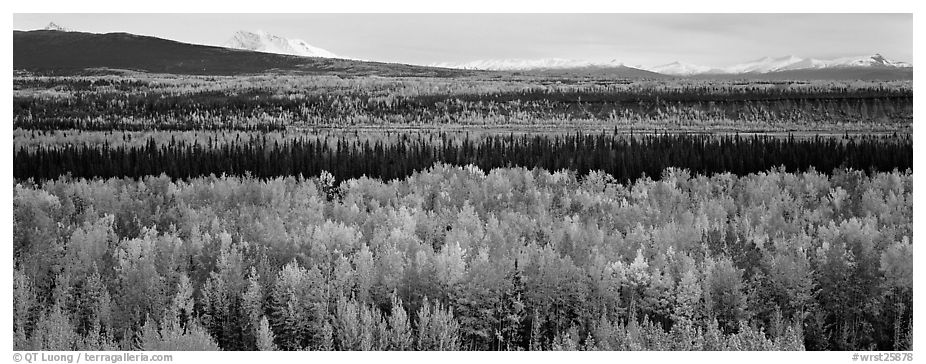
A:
461,258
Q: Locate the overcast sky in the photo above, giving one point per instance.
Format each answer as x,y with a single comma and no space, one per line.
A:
648,39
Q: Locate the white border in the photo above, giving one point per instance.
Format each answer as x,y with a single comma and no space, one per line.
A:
473,6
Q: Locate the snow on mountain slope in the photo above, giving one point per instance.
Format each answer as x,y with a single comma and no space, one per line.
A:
807,63
792,63
763,65
261,41
759,66
526,64
876,60
53,26
679,69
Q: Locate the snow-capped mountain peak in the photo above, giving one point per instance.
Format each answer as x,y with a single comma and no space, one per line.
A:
678,69
875,60
763,65
517,64
261,41
53,26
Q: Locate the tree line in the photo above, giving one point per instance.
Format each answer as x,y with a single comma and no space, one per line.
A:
625,157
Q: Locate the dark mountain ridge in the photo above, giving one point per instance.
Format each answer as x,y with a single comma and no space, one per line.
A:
65,53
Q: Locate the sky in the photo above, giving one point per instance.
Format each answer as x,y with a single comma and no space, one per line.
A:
635,39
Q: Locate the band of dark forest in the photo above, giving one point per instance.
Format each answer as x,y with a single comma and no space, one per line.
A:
625,158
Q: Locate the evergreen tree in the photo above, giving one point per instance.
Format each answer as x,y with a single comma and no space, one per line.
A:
437,329
400,331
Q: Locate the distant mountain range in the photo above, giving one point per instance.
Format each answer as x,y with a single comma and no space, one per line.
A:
786,63
762,66
265,42
58,49
528,64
